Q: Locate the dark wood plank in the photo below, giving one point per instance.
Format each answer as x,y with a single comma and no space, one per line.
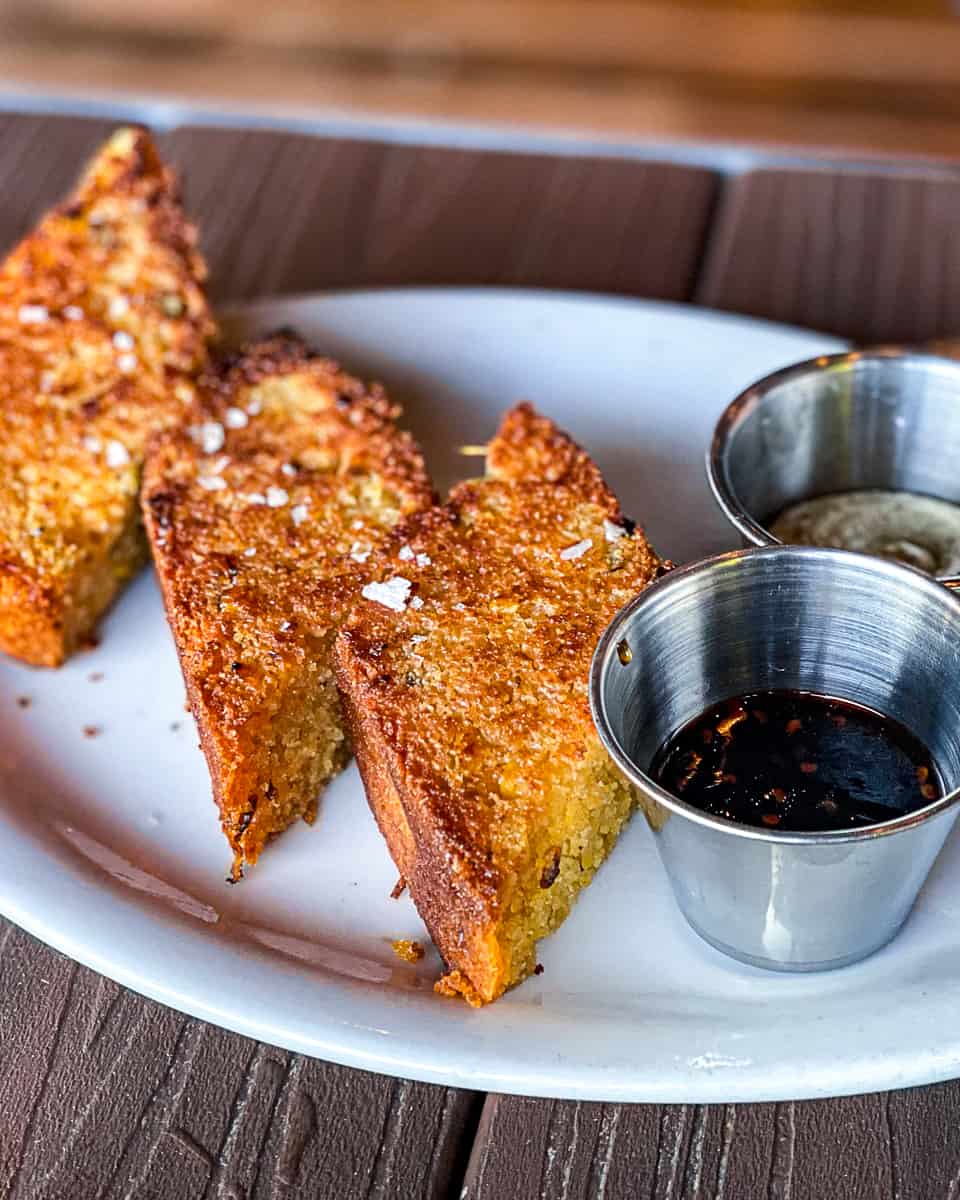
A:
40,157
872,256
108,1095
286,213
903,1145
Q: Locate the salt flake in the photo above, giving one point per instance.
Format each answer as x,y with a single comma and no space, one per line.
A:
212,483
32,314
405,554
298,513
235,418
117,454
122,340
209,436
577,550
393,594
277,497
613,532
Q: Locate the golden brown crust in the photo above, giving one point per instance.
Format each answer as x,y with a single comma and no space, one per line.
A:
265,511
103,323
467,704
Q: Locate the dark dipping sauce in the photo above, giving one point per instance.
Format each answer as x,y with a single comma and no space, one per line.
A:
797,761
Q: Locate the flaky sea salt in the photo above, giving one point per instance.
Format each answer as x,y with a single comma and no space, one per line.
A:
613,532
255,498
235,418
577,550
392,594
119,306
212,483
250,552
289,470
424,560
298,513
416,602
255,407
209,436
405,554
92,444
277,497
73,313
418,637
122,340
32,314
117,454
359,553
127,363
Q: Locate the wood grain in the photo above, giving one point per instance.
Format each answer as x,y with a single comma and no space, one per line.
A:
902,1145
785,43
104,1094
872,256
284,213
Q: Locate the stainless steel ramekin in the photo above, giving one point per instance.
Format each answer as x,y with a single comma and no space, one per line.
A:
886,418
828,621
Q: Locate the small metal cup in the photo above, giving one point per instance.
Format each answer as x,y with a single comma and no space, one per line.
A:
887,418
827,621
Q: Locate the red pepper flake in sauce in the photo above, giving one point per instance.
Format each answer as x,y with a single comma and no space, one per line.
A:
797,761
92,731
24,701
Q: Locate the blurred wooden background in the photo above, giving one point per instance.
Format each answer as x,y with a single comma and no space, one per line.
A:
876,76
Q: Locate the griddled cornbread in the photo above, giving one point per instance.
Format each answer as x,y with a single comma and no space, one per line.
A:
464,674
265,513
103,322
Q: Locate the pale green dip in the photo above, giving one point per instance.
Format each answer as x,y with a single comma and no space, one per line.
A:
902,526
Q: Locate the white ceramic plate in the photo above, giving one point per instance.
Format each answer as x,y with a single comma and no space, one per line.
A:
110,849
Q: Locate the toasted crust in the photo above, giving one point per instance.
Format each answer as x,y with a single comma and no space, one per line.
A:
103,322
468,710
265,512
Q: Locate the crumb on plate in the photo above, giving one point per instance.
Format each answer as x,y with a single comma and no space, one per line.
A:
410,952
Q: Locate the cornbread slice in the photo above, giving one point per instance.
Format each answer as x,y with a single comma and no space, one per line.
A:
466,699
103,322
265,513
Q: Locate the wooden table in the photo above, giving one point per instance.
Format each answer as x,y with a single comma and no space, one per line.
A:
106,1095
